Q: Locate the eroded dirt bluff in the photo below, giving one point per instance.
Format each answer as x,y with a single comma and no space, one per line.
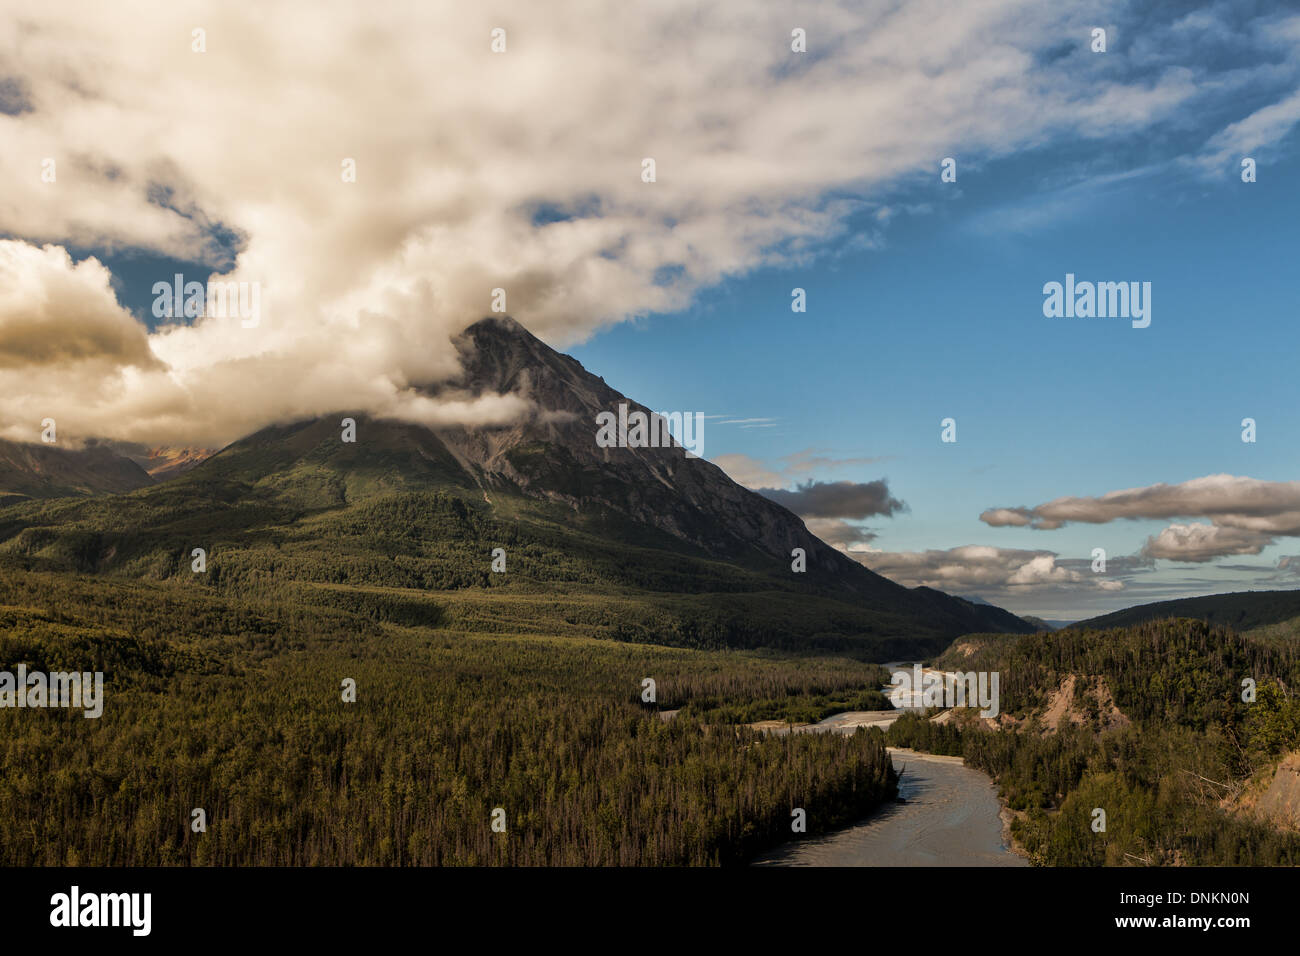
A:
1279,804
1076,700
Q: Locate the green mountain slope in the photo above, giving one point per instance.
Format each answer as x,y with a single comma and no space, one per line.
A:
402,524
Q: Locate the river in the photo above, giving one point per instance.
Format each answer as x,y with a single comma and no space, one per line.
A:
950,817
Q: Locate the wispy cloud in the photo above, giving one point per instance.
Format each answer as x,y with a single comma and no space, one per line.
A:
1057,204
1262,129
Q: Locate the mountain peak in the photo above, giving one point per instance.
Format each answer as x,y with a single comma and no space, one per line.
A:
504,324
499,355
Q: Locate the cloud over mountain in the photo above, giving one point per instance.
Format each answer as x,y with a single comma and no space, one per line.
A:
476,170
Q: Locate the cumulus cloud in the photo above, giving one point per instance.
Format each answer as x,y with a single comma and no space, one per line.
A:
980,567
207,384
57,313
476,170
1199,543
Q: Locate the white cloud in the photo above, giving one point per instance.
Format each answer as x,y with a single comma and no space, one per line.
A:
761,154
1245,514
1203,542
979,567
55,313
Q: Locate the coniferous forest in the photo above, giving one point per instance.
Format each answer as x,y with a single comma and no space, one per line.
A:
233,705
1169,781
226,695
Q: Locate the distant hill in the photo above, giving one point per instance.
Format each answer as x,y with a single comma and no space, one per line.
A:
999,617
1039,623
668,548
1240,610
989,617
48,471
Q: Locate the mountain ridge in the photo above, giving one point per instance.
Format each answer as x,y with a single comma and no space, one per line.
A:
1241,610
35,470
419,507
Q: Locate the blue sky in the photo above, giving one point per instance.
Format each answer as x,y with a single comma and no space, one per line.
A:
942,317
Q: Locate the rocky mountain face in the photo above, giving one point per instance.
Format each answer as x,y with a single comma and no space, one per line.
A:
554,454
167,462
